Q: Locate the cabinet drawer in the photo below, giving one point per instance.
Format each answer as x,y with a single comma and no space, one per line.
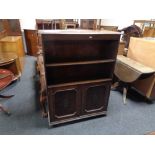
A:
95,97
63,103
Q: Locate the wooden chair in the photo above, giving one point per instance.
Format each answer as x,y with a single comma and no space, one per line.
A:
137,70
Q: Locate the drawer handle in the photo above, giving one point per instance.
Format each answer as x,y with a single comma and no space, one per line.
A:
90,37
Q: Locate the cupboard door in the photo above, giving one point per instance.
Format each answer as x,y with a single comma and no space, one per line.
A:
63,103
95,97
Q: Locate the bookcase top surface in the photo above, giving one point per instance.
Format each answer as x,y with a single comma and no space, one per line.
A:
78,31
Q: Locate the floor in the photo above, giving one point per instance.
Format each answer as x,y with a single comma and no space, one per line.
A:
137,117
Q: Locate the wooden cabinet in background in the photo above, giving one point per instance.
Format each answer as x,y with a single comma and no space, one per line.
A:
88,24
79,67
31,38
12,27
14,44
48,24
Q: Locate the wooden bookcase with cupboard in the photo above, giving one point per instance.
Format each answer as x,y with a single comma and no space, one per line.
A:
79,66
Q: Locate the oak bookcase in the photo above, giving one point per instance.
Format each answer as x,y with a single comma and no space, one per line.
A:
79,66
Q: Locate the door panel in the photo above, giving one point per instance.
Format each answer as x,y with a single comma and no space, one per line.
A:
95,97
64,102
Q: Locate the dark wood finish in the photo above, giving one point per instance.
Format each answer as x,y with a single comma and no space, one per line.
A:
31,38
12,27
75,73
95,97
79,66
64,102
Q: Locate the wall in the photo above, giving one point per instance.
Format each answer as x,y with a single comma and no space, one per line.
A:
27,23
121,23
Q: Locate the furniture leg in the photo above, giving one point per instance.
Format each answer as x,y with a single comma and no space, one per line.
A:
125,89
4,110
43,106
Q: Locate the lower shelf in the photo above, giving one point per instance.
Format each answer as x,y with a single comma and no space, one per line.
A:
103,113
80,82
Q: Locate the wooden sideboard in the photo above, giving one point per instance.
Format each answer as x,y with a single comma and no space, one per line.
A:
79,67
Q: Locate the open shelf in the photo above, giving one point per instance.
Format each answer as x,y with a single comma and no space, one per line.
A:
80,83
79,63
80,50
73,73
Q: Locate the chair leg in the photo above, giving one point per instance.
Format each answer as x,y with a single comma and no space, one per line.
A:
125,90
4,110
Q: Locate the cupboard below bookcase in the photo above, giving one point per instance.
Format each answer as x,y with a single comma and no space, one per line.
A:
79,67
